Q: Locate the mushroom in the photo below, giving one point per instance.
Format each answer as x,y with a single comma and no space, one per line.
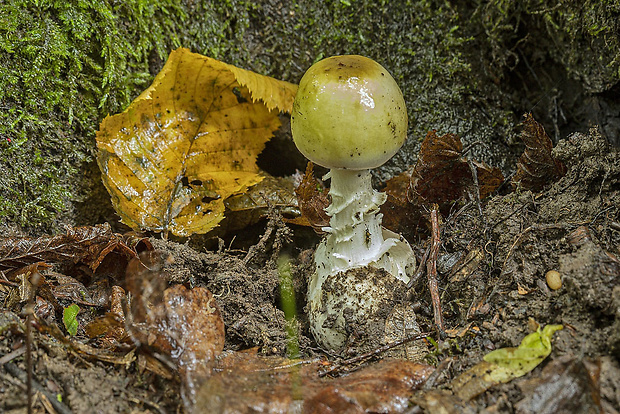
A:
349,115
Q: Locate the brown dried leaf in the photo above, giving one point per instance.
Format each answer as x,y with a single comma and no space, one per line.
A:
489,178
88,245
194,324
185,324
566,385
67,287
399,214
441,175
110,327
312,199
358,392
537,167
243,210
244,383
106,327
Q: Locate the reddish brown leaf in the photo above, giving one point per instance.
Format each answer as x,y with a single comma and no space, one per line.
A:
440,175
489,178
536,167
111,326
185,324
244,383
384,387
194,324
400,215
312,199
88,245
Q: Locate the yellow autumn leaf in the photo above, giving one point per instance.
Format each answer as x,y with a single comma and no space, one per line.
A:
188,142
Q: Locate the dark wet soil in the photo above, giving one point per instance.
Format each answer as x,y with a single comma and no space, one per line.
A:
492,266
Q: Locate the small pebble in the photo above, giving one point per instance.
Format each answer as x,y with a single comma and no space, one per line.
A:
554,279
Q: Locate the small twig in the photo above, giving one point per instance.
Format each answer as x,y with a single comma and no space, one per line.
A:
45,402
452,218
35,280
16,372
371,354
420,270
431,272
12,355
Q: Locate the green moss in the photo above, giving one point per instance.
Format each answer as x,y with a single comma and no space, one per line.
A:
583,37
64,65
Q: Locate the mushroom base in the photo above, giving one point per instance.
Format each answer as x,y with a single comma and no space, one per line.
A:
354,306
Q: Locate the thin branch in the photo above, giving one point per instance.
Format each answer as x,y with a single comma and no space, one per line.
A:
431,272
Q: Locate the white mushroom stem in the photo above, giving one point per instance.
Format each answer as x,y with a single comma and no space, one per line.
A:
355,240
355,236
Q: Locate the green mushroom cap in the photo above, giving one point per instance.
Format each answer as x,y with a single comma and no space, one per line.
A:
348,113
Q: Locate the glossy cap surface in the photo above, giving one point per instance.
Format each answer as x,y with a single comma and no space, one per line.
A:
348,113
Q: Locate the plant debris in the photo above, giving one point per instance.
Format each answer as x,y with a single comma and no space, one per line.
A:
503,365
150,329
441,174
245,382
313,200
88,244
537,167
